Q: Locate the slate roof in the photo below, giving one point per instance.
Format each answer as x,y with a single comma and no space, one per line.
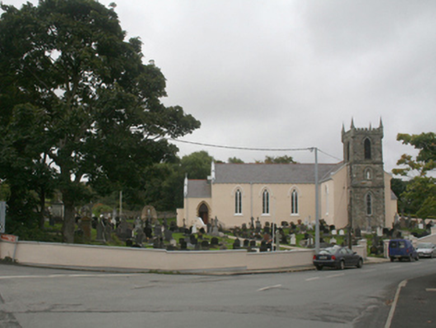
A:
199,189
273,173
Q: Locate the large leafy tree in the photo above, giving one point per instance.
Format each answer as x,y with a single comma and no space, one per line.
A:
420,194
94,105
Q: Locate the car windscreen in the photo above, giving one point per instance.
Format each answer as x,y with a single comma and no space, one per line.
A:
329,250
424,246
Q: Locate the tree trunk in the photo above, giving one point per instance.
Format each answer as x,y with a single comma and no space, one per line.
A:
69,222
42,210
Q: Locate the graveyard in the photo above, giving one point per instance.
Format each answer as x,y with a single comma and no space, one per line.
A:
163,233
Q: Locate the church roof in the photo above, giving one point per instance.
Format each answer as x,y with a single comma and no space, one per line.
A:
272,173
199,189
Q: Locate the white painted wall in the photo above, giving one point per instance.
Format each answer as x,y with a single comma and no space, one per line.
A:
141,259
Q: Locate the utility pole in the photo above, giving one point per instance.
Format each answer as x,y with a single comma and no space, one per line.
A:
316,202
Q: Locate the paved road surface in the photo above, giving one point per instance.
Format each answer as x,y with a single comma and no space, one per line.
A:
35,297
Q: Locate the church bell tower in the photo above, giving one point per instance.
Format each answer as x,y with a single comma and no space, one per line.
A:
364,159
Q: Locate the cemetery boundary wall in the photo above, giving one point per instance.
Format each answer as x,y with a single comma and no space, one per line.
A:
108,258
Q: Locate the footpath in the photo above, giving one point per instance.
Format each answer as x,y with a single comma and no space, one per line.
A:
414,305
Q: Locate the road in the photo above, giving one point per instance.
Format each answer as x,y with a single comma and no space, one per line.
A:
36,297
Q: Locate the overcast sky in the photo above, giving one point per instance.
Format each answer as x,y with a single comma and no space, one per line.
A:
288,74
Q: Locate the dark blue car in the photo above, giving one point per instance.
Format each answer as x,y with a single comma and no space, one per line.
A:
402,249
337,257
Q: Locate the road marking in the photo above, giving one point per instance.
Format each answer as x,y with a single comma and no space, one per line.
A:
430,289
269,287
396,266
314,278
394,303
336,275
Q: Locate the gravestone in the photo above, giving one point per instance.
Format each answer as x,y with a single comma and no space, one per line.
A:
252,223
129,242
168,235
341,232
237,244
246,243
158,243
157,230
214,241
173,226
205,244
266,230
252,243
334,232
263,246
108,233
258,226
333,241
148,232
100,230
193,240
293,240
139,238
122,230
183,244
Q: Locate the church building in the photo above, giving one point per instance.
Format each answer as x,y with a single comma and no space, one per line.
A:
355,191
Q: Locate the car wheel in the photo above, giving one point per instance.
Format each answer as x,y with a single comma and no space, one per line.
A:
431,255
392,259
359,264
319,267
341,265
410,258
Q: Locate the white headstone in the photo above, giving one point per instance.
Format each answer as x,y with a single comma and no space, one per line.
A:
379,231
293,240
420,226
341,232
333,240
334,232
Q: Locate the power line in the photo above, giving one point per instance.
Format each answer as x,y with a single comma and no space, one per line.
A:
241,148
251,148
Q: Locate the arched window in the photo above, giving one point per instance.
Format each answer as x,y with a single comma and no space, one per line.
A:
265,202
238,202
368,200
294,202
367,148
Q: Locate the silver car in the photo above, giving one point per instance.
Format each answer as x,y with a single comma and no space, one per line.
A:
426,250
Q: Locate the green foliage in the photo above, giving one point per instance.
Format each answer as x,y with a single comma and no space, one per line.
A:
278,160
100,208
235,160
420,194
78,103
197,165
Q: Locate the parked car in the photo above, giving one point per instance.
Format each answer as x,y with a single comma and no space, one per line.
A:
426,250
402,249
337,257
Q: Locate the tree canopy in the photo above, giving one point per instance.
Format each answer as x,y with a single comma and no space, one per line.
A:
419,196
78,105
278,160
